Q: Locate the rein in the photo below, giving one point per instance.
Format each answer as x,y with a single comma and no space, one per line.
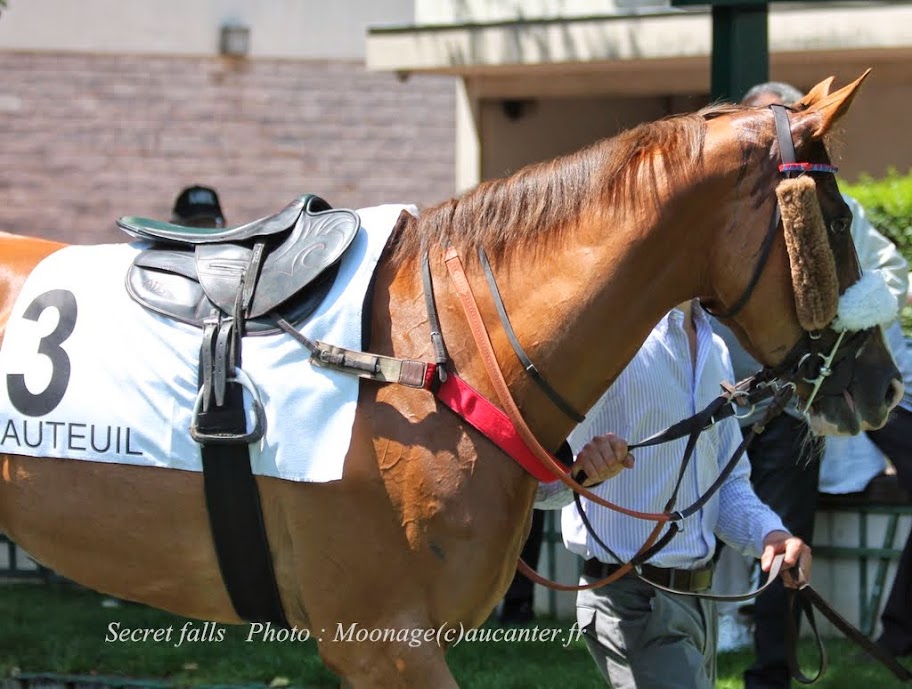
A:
533,372
691,427
752,390
805,599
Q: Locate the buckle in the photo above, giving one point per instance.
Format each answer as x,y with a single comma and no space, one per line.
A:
690,580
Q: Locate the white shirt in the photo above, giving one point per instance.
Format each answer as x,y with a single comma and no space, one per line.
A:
876,252
660,387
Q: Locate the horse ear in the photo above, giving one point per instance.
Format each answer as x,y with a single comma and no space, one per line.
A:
822,90
821,115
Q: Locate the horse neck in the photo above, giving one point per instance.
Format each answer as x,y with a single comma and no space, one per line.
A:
582,310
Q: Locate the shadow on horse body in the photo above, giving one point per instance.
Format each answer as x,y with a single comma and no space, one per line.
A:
425,526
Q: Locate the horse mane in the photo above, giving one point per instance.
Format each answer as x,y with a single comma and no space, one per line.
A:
531,207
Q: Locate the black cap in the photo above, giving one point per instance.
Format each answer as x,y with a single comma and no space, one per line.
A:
196,205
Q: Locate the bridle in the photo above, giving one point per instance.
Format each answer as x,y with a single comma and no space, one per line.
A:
827,371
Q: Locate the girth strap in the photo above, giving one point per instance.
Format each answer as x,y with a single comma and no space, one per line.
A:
236,516
232,498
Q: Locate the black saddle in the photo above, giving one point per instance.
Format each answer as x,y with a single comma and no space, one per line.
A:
286,261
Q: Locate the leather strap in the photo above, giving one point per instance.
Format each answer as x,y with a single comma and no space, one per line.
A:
533,372
471,406
486,351
784,134
771,576
787,154
383,369
622,570
808,599
236,517
666,580
699,579
440,352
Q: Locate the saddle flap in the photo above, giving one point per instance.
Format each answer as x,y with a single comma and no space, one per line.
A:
165,282
220,269
317,242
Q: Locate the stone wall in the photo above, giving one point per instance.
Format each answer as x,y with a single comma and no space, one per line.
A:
87,138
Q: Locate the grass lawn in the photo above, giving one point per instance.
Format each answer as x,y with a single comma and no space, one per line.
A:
60,629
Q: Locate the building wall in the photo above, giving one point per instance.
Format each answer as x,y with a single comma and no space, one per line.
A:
561,112
300,29
517,132
472,11
87,138
109,108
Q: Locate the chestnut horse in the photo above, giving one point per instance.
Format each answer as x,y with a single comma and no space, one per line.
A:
425,526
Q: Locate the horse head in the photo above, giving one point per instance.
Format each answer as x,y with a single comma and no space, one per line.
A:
795,295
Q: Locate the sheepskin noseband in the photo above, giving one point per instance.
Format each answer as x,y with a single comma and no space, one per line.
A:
814,278
867,303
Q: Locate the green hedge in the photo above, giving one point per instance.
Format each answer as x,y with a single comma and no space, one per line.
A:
888,204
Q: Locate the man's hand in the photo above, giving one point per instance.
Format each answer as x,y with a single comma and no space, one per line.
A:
603,457
797,552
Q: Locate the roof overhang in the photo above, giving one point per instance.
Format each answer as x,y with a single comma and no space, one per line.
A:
674,40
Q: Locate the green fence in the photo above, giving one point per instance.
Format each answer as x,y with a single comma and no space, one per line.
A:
16,564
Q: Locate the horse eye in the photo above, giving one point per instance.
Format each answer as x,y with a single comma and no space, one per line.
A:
839,225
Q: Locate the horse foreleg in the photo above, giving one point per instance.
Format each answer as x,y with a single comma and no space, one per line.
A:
371,665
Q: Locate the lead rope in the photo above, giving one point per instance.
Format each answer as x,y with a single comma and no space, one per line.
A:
780,401
808,599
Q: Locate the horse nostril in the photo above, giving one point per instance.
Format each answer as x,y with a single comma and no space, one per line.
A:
894,393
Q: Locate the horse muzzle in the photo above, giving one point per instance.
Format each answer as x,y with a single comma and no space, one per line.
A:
845,375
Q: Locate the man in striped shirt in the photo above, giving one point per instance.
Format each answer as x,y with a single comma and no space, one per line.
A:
639,636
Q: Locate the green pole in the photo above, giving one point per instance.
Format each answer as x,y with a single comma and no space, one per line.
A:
740,49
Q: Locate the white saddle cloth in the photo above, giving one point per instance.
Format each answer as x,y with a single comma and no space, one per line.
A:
127,378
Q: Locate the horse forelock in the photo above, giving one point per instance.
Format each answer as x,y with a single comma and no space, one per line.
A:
533,208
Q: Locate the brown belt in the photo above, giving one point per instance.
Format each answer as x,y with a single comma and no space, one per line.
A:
681,579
